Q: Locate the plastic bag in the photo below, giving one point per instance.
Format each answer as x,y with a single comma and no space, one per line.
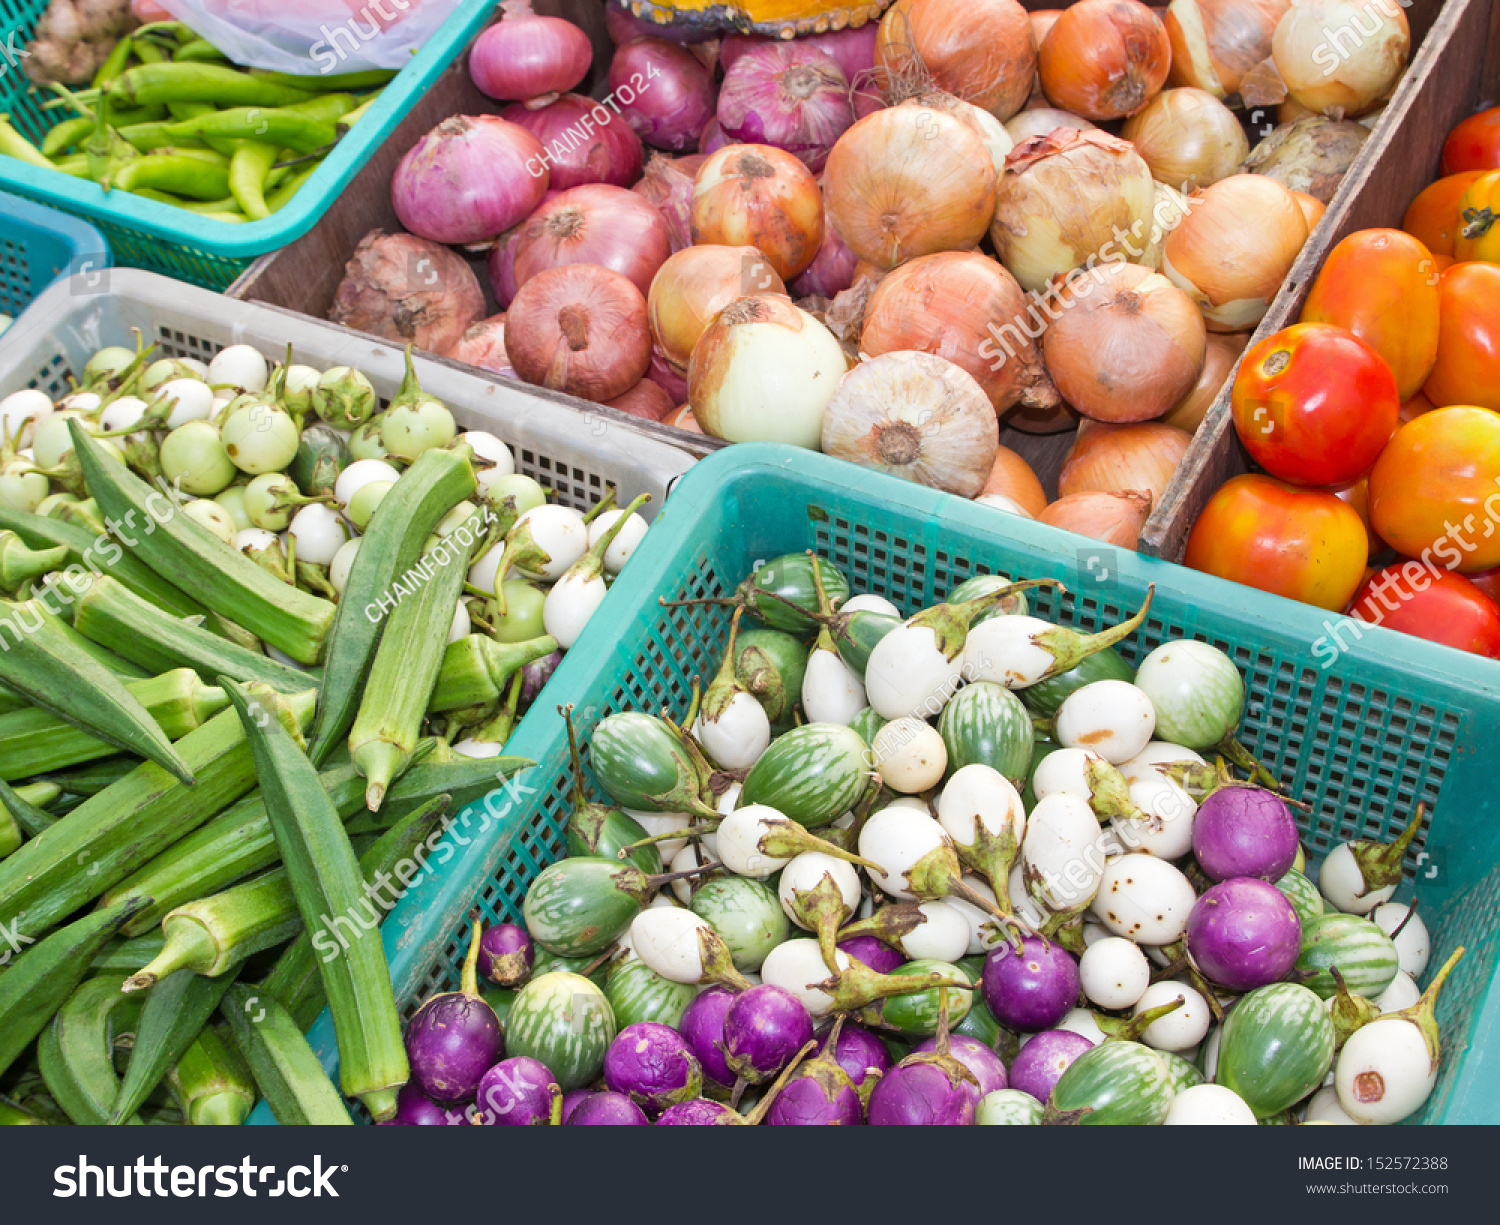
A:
314,37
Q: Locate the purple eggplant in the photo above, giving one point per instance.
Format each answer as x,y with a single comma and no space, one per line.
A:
1244,831
1044,1059
414,1109
930,1089
506,955
571,1100
859,1052
702,1027
653,1066
881,958
700,1112
1032,989
988,1071
1244,934
535,675
519,1092
763,1030
821,1093
455,1038
606,1110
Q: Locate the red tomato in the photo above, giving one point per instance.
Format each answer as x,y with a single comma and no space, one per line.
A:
1304,544
1314,404
1431,603
1474,144
1468,358
1488,581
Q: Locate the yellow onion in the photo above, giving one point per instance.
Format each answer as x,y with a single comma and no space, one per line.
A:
1167,212
1234,249
1216,42
1104,59
1012,477
1219,359
1341,55
694,285
909,181
1119,458
759,196
764,371
1058,419
996,137
964,307
1127,345
1311,155
1069,196
977,50
1188,138
916,416
1115,518
1039,120
1312,208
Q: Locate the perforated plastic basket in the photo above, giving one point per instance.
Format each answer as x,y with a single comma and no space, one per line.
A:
160,237
1391,722
39,246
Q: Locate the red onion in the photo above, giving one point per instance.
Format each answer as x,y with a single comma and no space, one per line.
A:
668,184
788,95
732,46
714,138
529,58
663,91
409,291
579,144
646,399
853,48
594,224
483,345
580,329
469,179
625,27
501,264
832,269
664,376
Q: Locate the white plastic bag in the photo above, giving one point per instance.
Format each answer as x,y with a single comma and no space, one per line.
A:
314,37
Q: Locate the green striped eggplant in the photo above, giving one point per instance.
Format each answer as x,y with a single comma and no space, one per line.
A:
1046,696
770,664
986,723
791,578
1361,951
1114,1083
599,829
1184,1075
596,964
813,775
1303,895
747,914
916,1015
868,724
1276,1047
979,1023
580,906
636,992
1015,604
643,764
565,1022
856,634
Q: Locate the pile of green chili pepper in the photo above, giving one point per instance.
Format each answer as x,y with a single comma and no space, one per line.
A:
168,117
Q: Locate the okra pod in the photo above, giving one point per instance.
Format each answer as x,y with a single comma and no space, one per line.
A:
285,1067
114,617
476,670
12,1115
76,1052
206,83
229,582
113,833
33,741
117,664
44,975
212,1082
122,955
44,665
93,778
20,564
23,807
327,883
435,483
173,1015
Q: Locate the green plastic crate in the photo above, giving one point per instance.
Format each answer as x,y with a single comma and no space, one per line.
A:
159,237
1394,721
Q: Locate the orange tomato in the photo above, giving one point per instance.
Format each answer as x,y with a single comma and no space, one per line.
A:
1304,544
1432,218
1468,356
1435,490
1382,286
1478,234
1357,495
1474,144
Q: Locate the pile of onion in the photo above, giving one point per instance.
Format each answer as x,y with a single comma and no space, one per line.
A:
593,224
1216,42
1359,78
408,290
579,329
1114,518
789,95
1310,155
1040,120
964,307
832,270
1104,59
909,181
1012,477
664,92
977,50
469,180
916,416
694,285
529,58
668,184
1233,250
764,371
1064,197
1127,345
1119,458
1188,138
1221,354
483,345
586,142
763,197
996,137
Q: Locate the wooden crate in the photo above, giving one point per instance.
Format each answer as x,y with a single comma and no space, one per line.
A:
1455,71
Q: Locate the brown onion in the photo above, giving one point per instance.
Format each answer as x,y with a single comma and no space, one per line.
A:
594,224
1311,155
408,290
909,181
646,399
1012,477
996,137
668,184
1127,345
964,307
1040,120
1188,138
1216,42
1104,59
763,197
1331,62
1219,359
683,419
483,345
1312,208
1233,250
694,285
1119,458
977,50
1115,518
579,329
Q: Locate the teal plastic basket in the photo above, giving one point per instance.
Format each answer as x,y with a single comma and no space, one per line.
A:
39,246
1392,722
159,237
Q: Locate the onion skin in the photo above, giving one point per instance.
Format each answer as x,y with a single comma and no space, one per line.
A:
594,224
1039,121
646,399
1188,138
1012,477
694,285
994,135
1359,80
580,329
408,290
483,345
469,179
1219,359
1309,155
763,197
909,181
1104,59
528,56
1114,518
1117,458
608,152
668,184
791,96
1216,42
673,92
977,50
1127,345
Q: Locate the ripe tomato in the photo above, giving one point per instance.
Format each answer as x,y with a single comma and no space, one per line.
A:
1432,218
1474,144
1488,581
1415,407
1435,490
1357,495
1304,544
1383,286
1468,357
1314,404
1478,234
1430,603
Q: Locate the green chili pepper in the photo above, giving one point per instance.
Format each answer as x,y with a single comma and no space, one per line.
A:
248,169
114,62
279,198
181,111
75,164
188,82
149,137
200,51
175,172
13,144
330,108
370,79
66,134
286,129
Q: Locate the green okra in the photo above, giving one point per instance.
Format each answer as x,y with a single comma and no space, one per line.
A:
285,1067
76,1052
122,955
24,807
212,1082
171,1018
476,670
93,778
20,564
12,1115
116,664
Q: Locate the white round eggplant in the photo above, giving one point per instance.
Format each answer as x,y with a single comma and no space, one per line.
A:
910,755
943,937
896,838
738,737
319,532
570,602
1384,1072
495,458
662,823
908,675
1167,830
980,797
360,473
685,861
560,533
1181,1028
1201,1105
666,939
1144,899
1414,944
1113,718
1065,771
1323,1107
869,602
797,966
1402,993
831,690
1342,884
1114,973
807,871
740,835
983,934
1001,650
460,626
1158,753
20,413
239,366
624,544
1062,844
